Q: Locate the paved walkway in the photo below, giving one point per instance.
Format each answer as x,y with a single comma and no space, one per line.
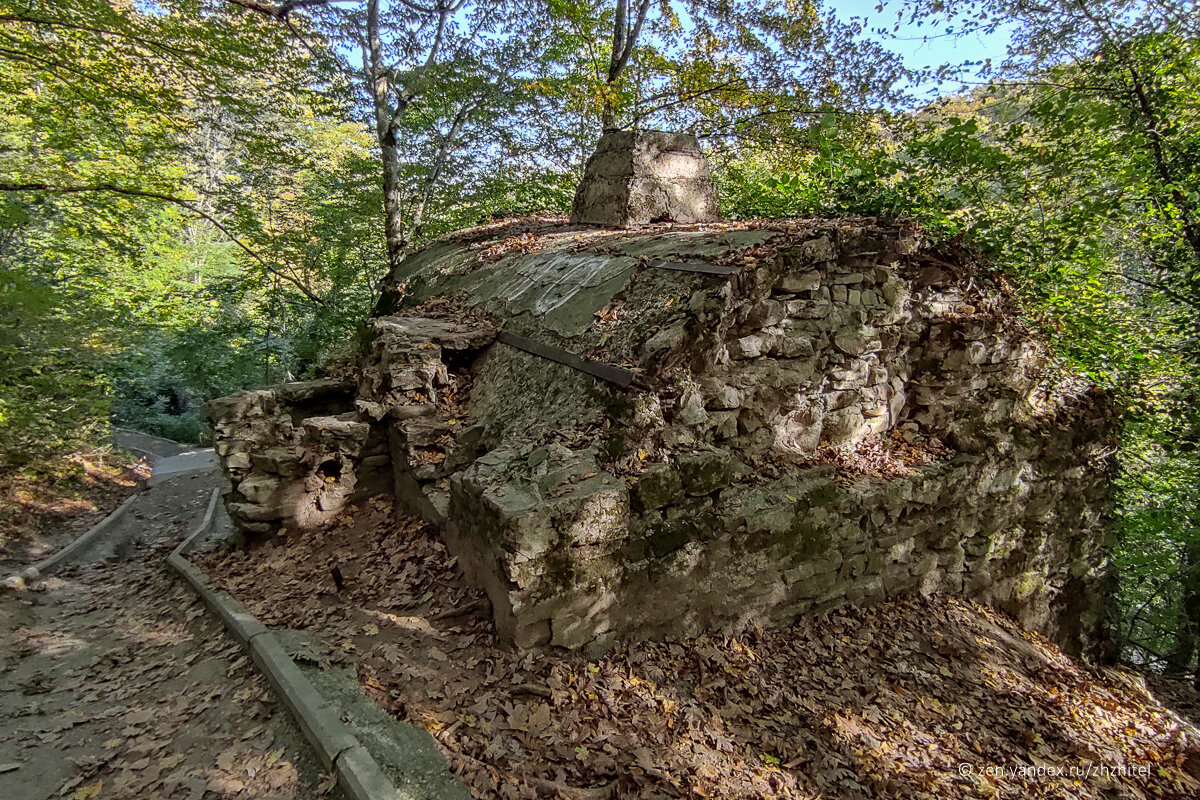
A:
115,683
155,447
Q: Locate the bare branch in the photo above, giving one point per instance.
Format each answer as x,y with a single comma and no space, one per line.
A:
282,11
184,204
55,23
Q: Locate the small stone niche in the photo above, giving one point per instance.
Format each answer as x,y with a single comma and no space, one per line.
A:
637,178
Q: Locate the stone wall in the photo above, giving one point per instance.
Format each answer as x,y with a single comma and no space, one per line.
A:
843,418
297,454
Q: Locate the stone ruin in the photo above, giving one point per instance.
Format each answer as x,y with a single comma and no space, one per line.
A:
640,177
696,427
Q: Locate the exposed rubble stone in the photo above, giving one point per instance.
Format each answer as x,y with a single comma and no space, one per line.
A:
847,418
638,177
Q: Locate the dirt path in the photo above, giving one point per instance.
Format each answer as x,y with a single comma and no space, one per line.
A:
115,683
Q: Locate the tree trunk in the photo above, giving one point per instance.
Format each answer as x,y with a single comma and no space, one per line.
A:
608,116
1189,612
393,203
385,132
625,35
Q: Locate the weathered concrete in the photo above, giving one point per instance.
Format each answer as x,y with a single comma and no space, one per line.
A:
845,419
638,177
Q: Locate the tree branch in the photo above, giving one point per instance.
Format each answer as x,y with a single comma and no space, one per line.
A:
281,11
618,42
625,36
405,97
439,162
184,204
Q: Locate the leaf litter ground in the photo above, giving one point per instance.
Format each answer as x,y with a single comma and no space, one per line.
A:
41,512
887,701
116,683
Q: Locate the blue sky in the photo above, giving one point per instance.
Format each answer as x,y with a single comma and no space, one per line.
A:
912,43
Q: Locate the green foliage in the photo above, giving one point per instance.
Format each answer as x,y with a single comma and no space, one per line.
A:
838,164
184,217
52,394
1159,520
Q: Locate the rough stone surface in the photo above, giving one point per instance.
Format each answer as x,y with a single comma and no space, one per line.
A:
296,454
787,446
638,177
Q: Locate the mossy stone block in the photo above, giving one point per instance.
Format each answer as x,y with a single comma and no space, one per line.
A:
705,473
658,486
810,540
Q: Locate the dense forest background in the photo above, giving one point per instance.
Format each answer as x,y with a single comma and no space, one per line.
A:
200,196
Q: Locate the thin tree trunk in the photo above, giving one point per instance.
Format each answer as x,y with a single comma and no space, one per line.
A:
1189,612
608,117
385,133
435,172
393,203
1153,134
624,40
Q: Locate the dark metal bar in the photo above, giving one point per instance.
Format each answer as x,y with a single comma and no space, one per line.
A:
695,266
619,375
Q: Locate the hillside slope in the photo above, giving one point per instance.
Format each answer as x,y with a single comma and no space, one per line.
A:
923,697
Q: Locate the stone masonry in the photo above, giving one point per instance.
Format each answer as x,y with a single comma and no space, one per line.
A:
823,413
639,177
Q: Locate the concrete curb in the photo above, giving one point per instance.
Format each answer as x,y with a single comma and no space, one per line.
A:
357,772
189,463
32,573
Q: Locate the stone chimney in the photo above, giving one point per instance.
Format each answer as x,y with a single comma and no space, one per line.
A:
638,177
